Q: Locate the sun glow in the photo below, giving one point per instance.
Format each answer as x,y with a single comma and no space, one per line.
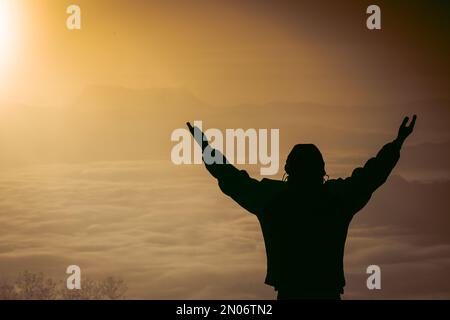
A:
7,31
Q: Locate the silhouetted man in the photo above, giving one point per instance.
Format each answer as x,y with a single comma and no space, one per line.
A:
305,219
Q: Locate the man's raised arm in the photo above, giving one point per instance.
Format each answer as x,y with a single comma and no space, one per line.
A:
233,182
364,181
215,161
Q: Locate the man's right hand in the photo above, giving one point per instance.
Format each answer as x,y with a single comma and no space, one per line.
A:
198,134
191,128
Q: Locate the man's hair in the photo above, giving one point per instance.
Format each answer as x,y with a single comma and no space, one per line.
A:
306,161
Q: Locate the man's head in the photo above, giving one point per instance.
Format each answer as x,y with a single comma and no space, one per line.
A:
305,163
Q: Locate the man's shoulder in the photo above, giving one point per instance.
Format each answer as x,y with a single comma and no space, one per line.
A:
334,185
272,183
334,182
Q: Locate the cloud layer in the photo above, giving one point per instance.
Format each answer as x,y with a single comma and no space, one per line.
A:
169,232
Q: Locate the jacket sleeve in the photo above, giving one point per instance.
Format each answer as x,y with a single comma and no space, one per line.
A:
356,190
237,184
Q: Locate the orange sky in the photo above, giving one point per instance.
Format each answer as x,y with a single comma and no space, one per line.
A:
225,51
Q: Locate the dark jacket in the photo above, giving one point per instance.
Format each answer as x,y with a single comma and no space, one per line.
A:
304,228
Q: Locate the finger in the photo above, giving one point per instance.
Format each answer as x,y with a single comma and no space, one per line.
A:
413,122
191,128
405,121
